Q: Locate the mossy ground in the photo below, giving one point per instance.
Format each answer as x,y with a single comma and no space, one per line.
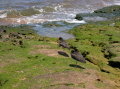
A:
20,68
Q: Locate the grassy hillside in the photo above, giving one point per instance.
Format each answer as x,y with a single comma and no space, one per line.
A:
30,61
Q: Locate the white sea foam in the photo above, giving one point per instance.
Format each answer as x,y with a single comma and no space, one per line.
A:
30,20
3,15
62,11
75,21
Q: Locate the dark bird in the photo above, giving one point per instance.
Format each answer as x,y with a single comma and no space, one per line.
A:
76,55
63,43
63,53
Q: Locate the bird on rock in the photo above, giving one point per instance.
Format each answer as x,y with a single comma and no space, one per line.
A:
76,55
63,43
63,53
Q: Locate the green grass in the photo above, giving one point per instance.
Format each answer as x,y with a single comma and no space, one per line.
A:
93,38
18,64
100,84
19,67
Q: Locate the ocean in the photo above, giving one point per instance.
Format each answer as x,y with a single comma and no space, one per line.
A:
40,13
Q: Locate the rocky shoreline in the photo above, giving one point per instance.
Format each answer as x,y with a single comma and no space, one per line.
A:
105,13
31,61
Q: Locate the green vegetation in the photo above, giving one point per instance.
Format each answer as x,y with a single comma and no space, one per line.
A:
29,61
107,12
21,62
110,9
98,40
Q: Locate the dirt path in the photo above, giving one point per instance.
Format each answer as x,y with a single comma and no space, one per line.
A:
89,79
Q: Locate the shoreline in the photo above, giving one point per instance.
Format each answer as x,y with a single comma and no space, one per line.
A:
39,55
29,60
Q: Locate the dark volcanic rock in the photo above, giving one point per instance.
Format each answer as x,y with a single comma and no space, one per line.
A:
63,43
114,64
100,14
63,53
79,17
76,55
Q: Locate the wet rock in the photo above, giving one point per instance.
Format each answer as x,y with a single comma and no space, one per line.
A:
63,43
114,64
79,17
76,55
63,53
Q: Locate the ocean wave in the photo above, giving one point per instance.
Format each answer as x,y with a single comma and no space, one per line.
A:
117,2
4,15
62,11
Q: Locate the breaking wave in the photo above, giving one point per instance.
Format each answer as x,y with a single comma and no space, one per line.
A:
50,10
42,13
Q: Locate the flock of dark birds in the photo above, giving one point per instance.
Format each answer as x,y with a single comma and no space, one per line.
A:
75,54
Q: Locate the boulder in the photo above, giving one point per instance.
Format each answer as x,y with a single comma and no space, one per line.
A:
79,17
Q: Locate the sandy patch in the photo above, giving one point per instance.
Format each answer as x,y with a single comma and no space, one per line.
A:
73,80
8,61
42,46
48,52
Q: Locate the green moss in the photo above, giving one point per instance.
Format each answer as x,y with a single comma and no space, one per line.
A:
96,39
100,84
82,85
109,9
21,68
110,12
